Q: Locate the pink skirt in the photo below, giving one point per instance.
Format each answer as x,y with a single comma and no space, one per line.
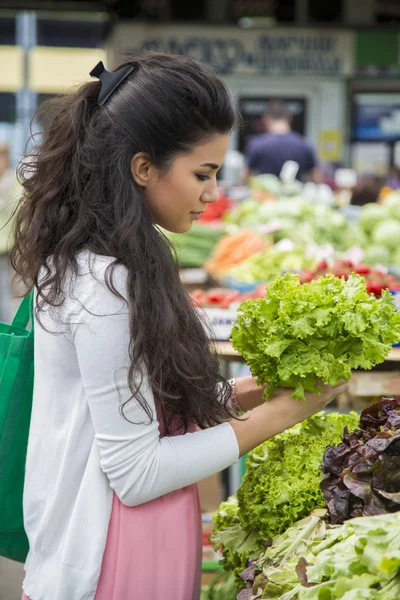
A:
153,550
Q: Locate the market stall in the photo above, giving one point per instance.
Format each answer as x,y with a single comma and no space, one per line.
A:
240,253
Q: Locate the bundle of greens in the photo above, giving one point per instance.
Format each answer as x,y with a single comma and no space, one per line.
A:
362,474
322,329
223,587
227,514
237,545
274,574
359,560
282,481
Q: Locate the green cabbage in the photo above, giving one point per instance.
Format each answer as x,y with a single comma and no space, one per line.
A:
387,233
395,257
377,255
392,204
371,215
270,184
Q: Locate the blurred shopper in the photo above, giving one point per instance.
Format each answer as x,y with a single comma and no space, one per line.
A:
9,191
130,408
394,178
366,191
268,152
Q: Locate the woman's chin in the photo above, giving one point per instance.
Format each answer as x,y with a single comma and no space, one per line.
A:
178,228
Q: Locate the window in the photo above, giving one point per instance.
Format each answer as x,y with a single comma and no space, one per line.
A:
281,11
8,107
325,11
7,31
187,11
71,33
388,12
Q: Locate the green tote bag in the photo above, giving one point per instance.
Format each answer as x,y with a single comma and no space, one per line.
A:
16,391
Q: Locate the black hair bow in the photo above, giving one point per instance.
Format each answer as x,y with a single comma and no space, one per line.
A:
109,80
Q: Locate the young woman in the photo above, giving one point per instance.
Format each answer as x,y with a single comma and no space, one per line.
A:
129,407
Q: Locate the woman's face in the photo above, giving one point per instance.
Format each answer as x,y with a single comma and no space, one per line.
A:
178,197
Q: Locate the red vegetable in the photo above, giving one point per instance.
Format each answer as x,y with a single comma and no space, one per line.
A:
306,276
362,474
374,287
322,266
362,269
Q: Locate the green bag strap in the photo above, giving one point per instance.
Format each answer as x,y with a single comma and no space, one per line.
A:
24,313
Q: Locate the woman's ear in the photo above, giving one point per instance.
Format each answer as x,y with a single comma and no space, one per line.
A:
140,168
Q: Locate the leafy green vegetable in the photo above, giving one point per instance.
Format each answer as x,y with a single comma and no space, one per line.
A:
312,560
193,248
372,214
360,560
269,264
391,203
362,474
302,222
274,573
387,233
237,546
223,587
267,183
282,481
377,255
227,514
322,329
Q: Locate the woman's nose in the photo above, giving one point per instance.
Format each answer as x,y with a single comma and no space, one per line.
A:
211,195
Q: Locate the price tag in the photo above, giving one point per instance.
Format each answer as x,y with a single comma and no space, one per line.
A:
220,320
193,276
346,178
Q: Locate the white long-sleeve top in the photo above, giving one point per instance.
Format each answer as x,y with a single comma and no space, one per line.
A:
80,447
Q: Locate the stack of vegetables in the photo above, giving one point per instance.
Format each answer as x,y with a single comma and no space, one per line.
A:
223,587
266,266
381,226
294,337
280,486
233,249
376,280
299,221
192,249
349,549
224,297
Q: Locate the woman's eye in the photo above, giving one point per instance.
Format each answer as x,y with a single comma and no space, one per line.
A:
202,177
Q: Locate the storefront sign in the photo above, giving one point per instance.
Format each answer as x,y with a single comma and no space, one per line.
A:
233,51
330,145
376,116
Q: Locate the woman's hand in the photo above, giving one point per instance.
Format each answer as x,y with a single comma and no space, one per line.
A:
300,410
279,413
248,393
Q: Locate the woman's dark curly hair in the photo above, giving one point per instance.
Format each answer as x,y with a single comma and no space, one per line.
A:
79,193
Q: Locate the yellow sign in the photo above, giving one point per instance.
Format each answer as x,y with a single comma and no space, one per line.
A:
55,70
12,68
330,144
